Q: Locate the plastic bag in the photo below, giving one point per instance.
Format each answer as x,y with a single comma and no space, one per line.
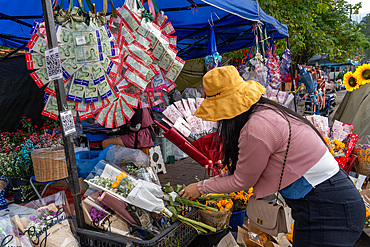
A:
10,235
257,71
118,154
86,160
52,226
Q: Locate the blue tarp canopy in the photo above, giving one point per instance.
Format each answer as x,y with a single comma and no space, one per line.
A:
232,19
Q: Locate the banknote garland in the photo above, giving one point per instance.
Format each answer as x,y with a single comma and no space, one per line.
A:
108,70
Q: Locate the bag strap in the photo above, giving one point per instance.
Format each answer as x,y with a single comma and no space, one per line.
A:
286,156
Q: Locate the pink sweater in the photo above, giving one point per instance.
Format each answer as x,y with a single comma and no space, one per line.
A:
262,146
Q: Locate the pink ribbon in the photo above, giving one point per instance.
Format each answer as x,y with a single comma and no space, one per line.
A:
42,31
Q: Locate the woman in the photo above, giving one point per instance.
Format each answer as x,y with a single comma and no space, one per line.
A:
326,207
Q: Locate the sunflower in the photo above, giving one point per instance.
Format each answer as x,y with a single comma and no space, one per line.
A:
363,74
350,82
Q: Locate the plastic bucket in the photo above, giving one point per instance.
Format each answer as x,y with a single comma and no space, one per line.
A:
209,240
237,219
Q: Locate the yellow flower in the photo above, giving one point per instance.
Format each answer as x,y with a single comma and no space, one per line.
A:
367,212
331,150
115,184
121,176
350,82
362,74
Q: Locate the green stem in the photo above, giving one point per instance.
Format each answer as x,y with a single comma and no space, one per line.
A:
194,204
214,198
212,229
197,228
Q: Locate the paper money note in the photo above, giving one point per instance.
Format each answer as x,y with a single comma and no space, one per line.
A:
159,82
104,33
161,47
161,19
37,44
135,79
104,89
82,106
129,19
126,110
110,116
109,66
76,92
35,60
144,28
91,93
109,49
40,77
168,29
137,65
83,75
51,108
154,34
86,54
144,100
119,118
143,41
102,115
133,101
168,58
97,105
141,53
87,114
126,35
88,38
50,89
175,69
66,51
64,35
69,67
97,73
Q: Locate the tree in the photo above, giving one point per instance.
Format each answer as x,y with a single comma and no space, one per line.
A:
319,27
366,31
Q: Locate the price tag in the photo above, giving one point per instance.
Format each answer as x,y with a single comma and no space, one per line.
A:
53,65
68,124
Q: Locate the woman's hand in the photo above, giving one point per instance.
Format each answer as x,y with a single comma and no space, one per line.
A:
190,192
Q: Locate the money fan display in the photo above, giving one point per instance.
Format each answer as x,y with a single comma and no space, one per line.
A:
104,75
148,58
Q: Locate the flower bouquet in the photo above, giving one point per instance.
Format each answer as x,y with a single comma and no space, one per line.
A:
113,180
240,199
138,193
49,228
363,157
339,138
99,215
220,219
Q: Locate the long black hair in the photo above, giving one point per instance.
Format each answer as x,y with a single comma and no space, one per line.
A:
230,129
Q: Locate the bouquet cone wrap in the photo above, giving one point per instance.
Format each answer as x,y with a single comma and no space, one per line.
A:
112,222
117,205
139,195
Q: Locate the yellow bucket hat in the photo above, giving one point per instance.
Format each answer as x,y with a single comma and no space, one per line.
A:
228,95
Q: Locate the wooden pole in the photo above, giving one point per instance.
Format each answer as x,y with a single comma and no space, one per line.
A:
62,106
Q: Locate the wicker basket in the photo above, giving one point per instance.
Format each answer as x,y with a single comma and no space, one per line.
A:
49,164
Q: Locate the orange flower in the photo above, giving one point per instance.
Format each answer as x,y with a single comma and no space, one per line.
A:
121,176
